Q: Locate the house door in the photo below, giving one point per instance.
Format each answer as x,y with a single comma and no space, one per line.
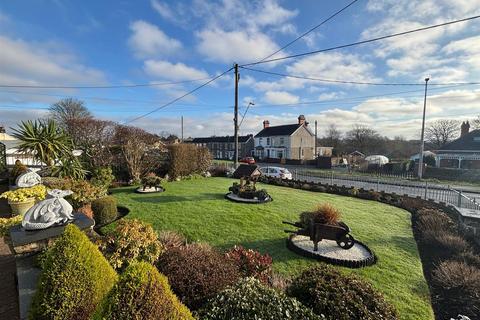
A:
268,153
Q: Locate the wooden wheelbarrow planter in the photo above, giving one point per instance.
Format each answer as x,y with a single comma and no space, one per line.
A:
319,231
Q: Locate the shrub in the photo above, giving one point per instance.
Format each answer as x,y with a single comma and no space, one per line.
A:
83,191
218,171
171,239
340,296
434,221
151,180
446,245
186,159
462,285
250,300
38,192
197,272
142,293
251,263
74,279
7,223
325,213
102,178
104,210
131,240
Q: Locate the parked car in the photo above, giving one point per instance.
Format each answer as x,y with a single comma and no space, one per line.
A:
249,160
277,172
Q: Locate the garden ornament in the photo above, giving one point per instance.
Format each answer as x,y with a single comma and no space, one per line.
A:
51,211
28,179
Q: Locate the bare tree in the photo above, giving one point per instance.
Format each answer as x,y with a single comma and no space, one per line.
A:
140,149
364,139
332,138
476,123
441,132
68,109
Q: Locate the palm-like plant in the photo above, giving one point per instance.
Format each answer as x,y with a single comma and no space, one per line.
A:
44,139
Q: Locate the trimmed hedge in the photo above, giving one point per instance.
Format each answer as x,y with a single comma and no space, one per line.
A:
186,159
340,296
74,279
197,272
250,300
142,293
104,210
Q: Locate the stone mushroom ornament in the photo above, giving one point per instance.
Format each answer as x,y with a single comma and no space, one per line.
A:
51,211
28,179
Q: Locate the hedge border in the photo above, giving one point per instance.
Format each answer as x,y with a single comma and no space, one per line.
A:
354,264
249,201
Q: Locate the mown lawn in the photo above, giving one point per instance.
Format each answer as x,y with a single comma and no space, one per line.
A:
197,209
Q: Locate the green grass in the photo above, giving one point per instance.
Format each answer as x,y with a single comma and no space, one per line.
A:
197,209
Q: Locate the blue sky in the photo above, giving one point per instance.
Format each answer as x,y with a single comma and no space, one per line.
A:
95,43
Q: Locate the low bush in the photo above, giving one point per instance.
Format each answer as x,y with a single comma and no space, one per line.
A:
197,272
340,296
462,285
75,277
102,178
250,300
151,180
83,191
434,221
131,240
445,245
104,210
7,223
324,213
171,239
251,263
218,171
142,293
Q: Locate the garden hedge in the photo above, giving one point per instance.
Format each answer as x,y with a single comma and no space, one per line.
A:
250,300
142,293
75,277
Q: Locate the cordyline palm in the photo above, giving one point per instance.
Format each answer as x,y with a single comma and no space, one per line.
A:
44,139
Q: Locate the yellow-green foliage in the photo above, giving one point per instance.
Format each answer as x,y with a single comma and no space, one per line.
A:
7,223
142,293
74,280
37,192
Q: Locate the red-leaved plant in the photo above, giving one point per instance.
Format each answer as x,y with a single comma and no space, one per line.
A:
251,263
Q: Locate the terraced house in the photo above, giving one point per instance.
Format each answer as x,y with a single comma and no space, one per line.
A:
290,141
224,147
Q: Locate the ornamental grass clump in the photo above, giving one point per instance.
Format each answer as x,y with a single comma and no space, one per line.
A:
250,300
340,296
197,272
75,277
251,263
130,241
171,239
142,293
324,213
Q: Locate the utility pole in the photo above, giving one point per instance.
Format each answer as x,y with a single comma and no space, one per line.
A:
315,152
422,142
235,118
182,128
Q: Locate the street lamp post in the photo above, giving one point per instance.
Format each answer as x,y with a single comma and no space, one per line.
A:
422,138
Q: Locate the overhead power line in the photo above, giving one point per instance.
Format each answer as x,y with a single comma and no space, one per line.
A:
355,82
362,42
312,29
181,97
154,84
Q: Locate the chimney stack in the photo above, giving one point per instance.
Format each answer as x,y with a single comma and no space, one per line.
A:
301,120
266,124
2,129
465,128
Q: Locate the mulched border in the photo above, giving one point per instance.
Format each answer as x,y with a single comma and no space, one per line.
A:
354,264
249,201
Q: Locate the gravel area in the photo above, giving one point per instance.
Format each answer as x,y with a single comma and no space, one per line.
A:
330,249
149,190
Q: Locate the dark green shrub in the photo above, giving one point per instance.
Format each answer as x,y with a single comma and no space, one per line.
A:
151,180
340,296
130,241
218,171
102,177
250,300
74,279
462,285
197,272
142,293
251,263
104,210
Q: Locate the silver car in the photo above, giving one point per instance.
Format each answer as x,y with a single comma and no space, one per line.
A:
276,172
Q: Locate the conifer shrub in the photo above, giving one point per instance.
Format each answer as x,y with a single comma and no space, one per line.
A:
131,240
339,296
197,272
250,300
75,277
104,210
142,293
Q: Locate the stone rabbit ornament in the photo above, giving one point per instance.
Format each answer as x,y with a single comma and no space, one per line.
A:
51,211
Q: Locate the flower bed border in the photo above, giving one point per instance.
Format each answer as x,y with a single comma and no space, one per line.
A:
137,190
232,197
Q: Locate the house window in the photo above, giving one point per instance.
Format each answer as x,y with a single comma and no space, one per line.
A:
268,141
260,140
282,141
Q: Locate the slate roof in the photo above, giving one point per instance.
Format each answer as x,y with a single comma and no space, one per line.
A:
285,130
225,139
469,142
246,170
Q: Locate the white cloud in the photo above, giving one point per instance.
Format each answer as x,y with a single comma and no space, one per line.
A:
172,71
147,40
238,46
163,9
329,96
280,97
